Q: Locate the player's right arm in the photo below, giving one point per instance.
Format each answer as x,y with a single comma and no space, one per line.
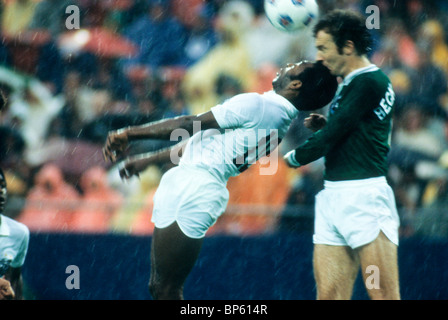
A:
118,140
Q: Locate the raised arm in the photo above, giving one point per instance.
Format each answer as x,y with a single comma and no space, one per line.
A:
117,141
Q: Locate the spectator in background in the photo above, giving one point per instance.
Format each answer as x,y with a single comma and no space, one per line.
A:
76,111
265,73
201,35
432,35
50,15
435,195
108,76
413,134
171,91
227,87
230,57
50,203
429,85
414,144
32,106
177,107
17,16
398,43
98,204
159,36
268,45
49,20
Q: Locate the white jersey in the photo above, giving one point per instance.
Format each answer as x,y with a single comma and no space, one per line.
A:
252,125
14,238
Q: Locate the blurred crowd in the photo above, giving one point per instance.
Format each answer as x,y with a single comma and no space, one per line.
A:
74,69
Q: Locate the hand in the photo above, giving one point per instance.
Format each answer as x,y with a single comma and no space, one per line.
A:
116,143
133,167
315,122
6,291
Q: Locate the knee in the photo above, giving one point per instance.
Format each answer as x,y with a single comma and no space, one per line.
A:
378,294
334,294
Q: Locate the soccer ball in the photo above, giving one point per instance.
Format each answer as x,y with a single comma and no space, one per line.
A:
291,15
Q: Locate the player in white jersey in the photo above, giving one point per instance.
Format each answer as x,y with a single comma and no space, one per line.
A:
226,141
14,237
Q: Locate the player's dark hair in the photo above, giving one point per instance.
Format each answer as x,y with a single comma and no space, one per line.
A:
344,25
2,179
3,197
318,87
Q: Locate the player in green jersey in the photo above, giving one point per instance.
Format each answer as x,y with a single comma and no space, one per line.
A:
356,221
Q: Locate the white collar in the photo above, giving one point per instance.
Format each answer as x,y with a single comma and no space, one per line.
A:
292,111
357,72
4,228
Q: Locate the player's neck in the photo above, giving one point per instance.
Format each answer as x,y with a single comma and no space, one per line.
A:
355,64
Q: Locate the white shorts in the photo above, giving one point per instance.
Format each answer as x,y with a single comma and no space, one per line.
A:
192,197
352,213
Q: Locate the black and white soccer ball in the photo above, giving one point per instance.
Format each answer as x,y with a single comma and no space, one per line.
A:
291,15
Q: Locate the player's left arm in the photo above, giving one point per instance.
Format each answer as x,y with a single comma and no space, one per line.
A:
345,119
134,165
315,122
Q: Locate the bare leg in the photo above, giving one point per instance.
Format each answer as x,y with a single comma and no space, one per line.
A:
382,255
173,256
335,271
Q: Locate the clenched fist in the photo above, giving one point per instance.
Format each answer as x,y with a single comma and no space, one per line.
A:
116,144
315,122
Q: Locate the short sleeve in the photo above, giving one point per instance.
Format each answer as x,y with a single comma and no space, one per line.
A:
240,111
19,260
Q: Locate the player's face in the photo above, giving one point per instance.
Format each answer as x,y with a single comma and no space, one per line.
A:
328,53
284,74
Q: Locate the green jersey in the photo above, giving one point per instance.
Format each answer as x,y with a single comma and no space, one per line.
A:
356,139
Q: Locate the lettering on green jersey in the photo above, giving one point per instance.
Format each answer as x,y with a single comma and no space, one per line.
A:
386,103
